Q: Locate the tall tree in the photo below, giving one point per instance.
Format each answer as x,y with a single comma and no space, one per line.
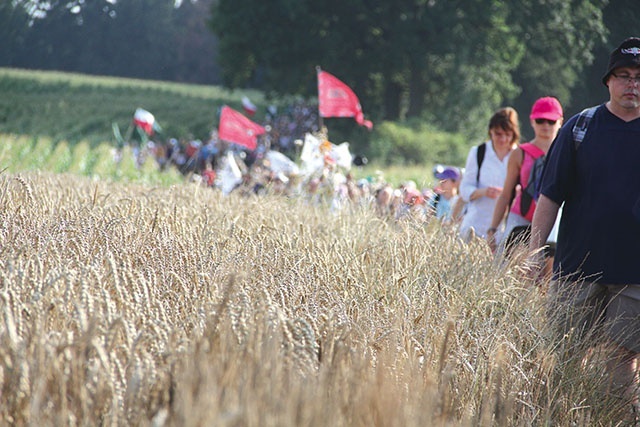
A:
13,21
143,38
556,49
621,19
195,45
441,60
470,64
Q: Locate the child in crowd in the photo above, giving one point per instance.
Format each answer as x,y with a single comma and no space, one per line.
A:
446,193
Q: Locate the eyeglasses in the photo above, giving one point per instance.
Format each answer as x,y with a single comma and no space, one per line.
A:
547,121
626,78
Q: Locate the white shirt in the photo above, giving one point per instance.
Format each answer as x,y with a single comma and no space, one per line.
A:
492,174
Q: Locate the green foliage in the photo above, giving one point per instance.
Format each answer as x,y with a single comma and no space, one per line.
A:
451,63
621,19
556,55
396,175
144,38
416,142
60,159
13,22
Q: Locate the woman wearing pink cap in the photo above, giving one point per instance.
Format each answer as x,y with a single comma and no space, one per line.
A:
546,120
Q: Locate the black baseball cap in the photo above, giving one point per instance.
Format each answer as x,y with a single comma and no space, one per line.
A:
625,55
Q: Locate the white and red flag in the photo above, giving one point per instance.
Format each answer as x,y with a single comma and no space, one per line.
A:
336,99
248,106
144,120
236,128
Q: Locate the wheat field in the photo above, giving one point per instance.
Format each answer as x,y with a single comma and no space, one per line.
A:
124,304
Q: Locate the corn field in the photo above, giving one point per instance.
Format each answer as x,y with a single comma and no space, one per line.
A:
131,304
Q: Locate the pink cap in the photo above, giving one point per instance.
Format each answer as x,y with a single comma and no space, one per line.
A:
546,108
413,197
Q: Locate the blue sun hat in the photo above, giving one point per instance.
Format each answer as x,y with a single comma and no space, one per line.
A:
447,172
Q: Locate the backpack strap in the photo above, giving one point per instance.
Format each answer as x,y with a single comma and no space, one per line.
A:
482,149
582,123
436,200
532,150
527,193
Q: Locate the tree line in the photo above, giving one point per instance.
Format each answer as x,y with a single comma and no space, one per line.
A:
449,63
147,39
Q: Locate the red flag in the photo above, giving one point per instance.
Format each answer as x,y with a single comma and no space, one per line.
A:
336,99
234,127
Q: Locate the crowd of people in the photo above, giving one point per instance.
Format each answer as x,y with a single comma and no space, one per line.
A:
579,226
481,199
583,228
582,233
230,167
223,166
285,130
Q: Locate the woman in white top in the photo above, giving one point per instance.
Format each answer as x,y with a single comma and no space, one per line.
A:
481,188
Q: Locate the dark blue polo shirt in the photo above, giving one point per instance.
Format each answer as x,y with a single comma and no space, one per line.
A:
599,183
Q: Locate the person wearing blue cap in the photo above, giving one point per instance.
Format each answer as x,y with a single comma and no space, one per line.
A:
592,167
446,193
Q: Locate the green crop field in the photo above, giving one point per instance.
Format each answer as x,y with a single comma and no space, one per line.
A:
62,122
23,154
76,107
27,153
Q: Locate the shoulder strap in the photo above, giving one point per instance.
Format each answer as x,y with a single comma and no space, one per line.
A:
532,150
581,125
482,149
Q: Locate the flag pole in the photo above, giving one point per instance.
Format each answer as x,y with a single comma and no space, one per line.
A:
320,120
129,133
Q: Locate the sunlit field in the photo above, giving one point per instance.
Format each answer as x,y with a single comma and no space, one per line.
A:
20,153
145,304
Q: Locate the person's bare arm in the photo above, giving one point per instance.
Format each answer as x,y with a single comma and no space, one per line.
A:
458,207
543,220
503,201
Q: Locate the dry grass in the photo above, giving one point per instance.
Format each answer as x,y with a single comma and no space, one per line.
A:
129,305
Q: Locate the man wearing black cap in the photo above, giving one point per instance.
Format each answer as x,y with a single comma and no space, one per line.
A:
597,177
